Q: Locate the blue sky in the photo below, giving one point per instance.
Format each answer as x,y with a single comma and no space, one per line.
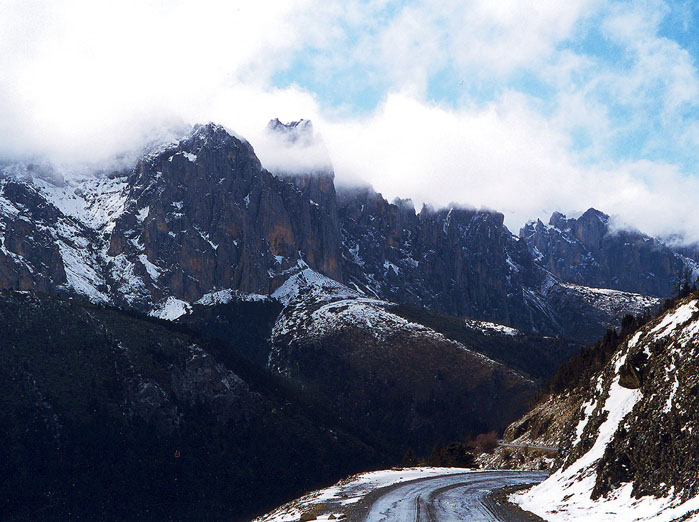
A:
641,126
524,107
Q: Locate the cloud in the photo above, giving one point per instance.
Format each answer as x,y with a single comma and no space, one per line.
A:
85,78
506,157
547,106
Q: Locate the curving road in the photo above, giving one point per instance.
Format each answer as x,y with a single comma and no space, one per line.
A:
448,498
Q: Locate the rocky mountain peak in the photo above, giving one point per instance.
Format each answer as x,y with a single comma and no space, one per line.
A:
209,133
296,132
557,220
588,251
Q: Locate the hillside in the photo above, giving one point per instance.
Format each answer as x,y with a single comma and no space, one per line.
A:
627,444
107,415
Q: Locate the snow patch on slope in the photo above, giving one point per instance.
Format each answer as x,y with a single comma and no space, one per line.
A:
81,276
566,495
171,309
614,300
309,284
225,296
489,328
94,202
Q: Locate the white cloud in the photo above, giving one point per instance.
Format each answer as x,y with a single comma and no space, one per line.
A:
84,79
506,157
89,75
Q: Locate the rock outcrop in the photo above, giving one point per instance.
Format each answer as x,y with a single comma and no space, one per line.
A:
589,251
202,215
628,441
466,263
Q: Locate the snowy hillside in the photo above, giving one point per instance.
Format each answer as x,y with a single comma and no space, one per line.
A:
632,451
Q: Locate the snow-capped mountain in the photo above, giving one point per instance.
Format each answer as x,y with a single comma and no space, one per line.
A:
360,357
404,379
201,215
394,329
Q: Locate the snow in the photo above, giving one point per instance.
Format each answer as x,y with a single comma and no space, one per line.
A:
489,328
153,271
130,284
81,276
206,238
346,312
387,264
671,398
311,284
94,202
317,306
187,155
611,301
566,495
671,321
142,214
619,506
227,295
216,298
171,309
587,410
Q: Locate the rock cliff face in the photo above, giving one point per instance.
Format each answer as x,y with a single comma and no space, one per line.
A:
465,263
202,215
588,251
29,255
457,261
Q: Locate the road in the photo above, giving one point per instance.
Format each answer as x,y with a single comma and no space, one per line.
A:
462,497
527,446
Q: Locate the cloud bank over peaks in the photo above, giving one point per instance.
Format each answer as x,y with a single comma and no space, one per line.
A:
292,148
522,107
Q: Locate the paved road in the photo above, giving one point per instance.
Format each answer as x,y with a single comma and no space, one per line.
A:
447,498
527,446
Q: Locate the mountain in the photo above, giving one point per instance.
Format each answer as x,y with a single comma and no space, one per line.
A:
590,251
109,415
402,382
404,377
308,328
628,450
201,215
466,263
307,385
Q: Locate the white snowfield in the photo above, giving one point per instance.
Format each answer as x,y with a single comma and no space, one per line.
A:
448,494
565,495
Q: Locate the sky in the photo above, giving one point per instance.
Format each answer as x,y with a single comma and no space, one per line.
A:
518,106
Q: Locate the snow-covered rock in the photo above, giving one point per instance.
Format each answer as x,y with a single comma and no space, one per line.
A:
631,450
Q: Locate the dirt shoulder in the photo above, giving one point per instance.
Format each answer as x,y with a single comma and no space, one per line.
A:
498,503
